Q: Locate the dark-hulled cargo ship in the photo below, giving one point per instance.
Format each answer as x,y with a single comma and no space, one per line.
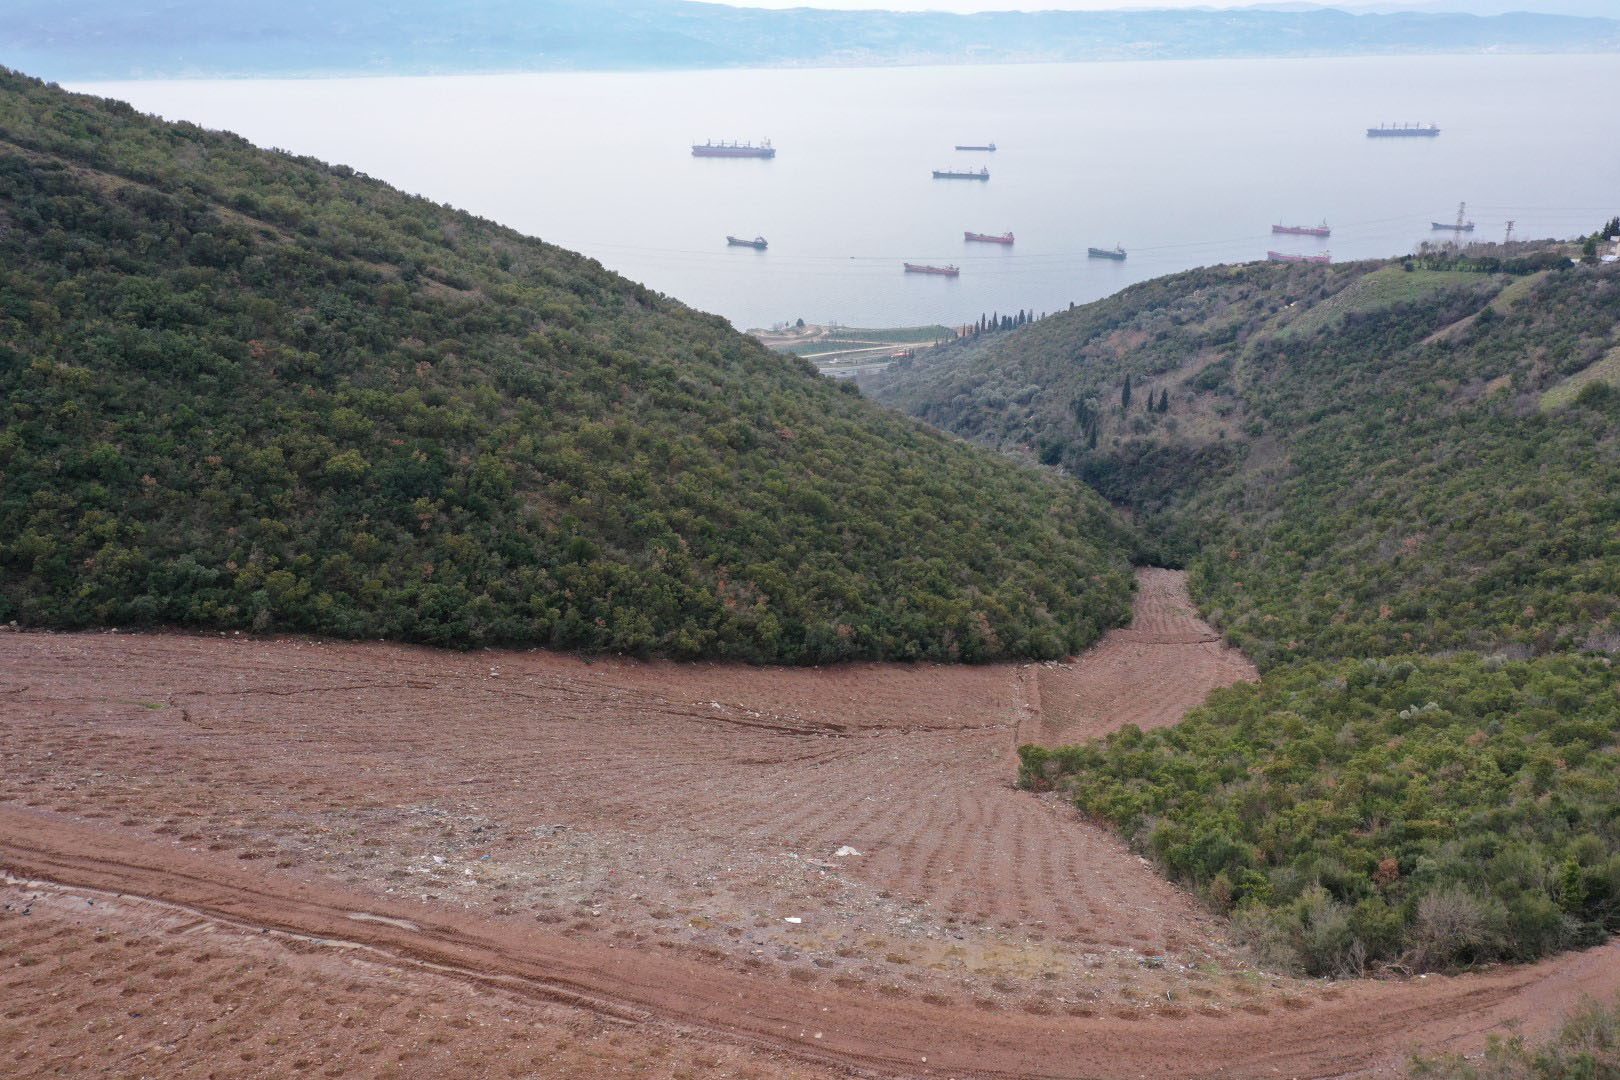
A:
1403,131
987,146
757,243
989,238
1116,253
734,149
961,174
944,271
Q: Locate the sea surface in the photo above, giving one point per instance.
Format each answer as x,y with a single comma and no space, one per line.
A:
1184,163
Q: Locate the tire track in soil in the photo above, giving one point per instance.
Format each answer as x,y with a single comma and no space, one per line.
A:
628,837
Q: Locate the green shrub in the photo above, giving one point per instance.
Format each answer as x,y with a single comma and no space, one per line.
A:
1586,1047
1427,813
244,389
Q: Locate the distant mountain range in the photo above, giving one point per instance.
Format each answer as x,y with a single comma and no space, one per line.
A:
1592,8
113,39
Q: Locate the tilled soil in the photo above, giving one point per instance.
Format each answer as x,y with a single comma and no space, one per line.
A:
654,868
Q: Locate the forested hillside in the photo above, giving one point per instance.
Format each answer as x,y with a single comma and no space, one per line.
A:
247,390
1395,486
1352,461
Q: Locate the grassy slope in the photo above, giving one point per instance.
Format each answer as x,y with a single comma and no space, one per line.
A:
1585,1047
246,389
1359,471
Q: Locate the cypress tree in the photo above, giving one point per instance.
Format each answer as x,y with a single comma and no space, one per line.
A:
1164,400
1125,394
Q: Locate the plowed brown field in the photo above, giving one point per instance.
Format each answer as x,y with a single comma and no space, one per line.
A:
250,857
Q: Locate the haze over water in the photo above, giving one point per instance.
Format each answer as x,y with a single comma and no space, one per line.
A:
1185,163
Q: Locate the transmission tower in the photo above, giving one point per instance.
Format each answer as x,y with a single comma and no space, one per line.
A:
1507,237
1462,214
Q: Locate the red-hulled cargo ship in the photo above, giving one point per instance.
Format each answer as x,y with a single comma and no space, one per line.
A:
1304,230
1283,256
988,238
734,149
947,271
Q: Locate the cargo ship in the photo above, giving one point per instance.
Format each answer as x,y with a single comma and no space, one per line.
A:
1283,256
1403,131
1116,253
758,242
986,146
734,149
947,271
1304,230
1462,224
961,174
987,238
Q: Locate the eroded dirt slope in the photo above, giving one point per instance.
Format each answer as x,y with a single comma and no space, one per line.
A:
673,870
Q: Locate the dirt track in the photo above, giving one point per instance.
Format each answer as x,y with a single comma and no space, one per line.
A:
562,868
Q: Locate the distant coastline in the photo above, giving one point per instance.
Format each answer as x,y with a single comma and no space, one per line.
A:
105,40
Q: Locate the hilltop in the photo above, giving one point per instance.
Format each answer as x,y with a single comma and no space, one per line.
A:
1393,485
248,390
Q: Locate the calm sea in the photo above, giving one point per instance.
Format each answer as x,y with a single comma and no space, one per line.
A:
1184,163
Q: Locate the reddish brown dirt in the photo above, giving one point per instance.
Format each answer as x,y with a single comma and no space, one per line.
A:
1148,674
594,866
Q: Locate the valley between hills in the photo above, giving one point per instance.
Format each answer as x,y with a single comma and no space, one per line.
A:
305,857
430,653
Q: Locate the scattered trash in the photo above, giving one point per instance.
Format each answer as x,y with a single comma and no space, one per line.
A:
439,859
792,919
845,851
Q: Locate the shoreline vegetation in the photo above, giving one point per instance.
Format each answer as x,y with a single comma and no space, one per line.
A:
848,351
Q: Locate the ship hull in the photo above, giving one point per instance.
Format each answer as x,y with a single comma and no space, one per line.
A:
946,174
1451,226
986,238
1301,230
990,147
757,244
1282,256
724,151
942,271
1403,133
1103,253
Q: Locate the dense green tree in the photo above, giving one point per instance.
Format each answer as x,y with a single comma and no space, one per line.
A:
244,389
1395,489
